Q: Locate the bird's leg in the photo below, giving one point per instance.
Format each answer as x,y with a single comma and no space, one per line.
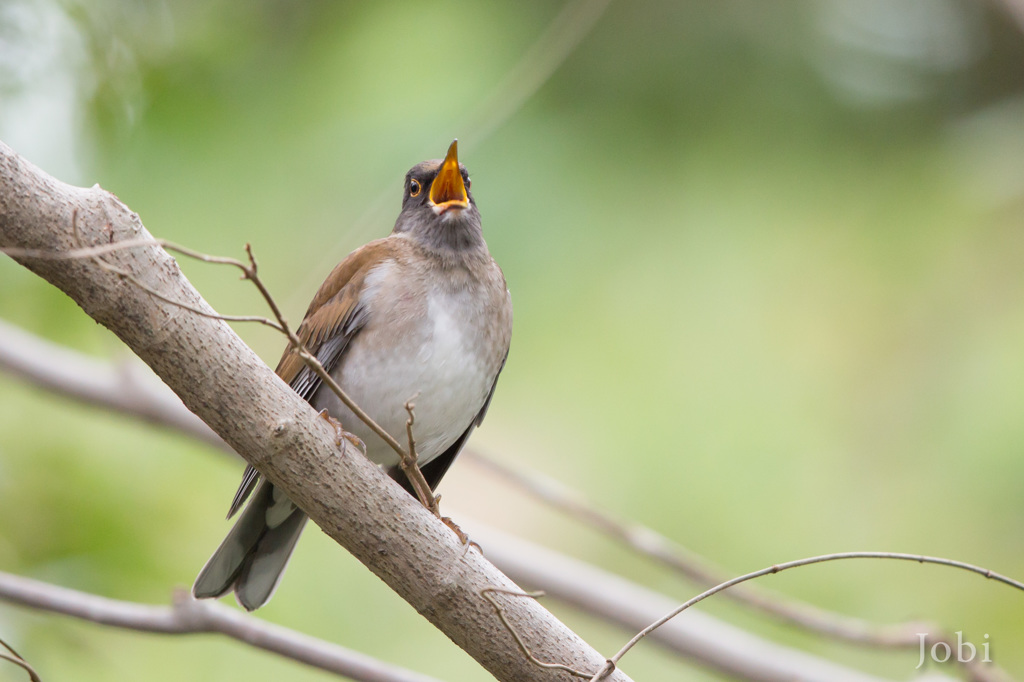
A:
341,434
447,520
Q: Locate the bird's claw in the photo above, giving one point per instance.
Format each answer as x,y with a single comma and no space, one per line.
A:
463,538
340,434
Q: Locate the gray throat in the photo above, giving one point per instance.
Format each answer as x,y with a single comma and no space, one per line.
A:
456,240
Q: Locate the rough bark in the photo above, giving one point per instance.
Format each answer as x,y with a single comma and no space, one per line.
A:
223,382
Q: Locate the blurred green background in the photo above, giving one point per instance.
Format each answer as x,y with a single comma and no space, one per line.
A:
767,262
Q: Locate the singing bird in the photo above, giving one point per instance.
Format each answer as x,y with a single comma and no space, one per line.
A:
422,314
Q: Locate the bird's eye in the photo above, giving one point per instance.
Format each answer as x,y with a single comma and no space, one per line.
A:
469,181
415,188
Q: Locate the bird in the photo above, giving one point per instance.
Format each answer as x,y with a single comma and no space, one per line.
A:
423,314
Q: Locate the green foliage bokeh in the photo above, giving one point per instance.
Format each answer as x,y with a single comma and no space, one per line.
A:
767,285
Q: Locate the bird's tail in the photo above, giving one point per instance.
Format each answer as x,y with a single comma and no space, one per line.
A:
253,556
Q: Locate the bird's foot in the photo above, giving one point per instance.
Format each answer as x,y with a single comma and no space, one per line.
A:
340,434
447,520
463,538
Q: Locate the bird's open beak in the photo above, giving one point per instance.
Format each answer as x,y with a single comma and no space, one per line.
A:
448,190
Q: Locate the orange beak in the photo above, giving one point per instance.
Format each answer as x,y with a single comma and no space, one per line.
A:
448,190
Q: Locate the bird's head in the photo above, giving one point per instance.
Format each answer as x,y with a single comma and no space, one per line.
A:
437,205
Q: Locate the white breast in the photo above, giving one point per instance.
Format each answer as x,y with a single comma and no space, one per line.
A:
422,350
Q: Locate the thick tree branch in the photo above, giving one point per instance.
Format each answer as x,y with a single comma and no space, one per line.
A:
698,637
188,616
221,380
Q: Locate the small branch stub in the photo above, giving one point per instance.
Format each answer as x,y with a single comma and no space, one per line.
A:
410,465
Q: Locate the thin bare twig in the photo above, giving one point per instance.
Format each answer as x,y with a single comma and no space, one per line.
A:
18,660
726,650
608,597
616,600
24,665
650,543
7,646
249,272
167,246
486,594
187,616
698,569
77,253
270,426
94,252
778,568
411,467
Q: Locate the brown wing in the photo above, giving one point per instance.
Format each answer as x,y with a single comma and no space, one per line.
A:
334,316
